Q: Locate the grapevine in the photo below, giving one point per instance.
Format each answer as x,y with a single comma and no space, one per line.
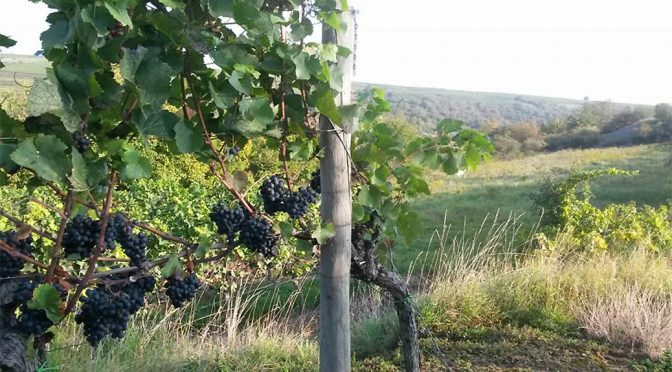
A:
181,290
11,266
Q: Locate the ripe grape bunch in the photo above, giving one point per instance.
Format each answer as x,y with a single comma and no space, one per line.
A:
257,234
228,220
135,247
181,290
105,311
315,181
81,235
298,202
80,141
10,265
274,193
277,198
116,30
33,321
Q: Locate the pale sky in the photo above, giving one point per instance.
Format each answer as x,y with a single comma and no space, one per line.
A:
603,49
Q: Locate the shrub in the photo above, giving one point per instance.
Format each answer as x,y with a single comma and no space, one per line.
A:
566,205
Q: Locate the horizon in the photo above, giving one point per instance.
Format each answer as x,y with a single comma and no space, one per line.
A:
560,49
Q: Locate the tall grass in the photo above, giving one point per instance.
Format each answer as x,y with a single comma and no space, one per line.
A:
484,281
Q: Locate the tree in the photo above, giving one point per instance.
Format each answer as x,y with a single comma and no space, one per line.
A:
89,130
663,112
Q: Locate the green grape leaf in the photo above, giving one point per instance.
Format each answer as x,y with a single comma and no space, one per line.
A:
323,99
257,111
188,138
44,97
369,196
224,97
45,155
59,34
204,244
135,166
6,162
4,179
241,82
119,10
301,149
358,213
301,30
323,233
221,8
175,4
153,79
80,172
171,267
131,61
449,125
45,297
6,41
286,229
160,124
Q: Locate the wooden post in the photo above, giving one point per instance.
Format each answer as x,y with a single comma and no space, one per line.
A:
336,209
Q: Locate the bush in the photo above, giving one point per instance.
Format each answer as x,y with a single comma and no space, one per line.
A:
581,138
566,205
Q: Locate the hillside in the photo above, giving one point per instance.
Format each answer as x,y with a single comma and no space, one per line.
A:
420,106
425,106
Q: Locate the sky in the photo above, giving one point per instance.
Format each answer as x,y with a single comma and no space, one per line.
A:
601,49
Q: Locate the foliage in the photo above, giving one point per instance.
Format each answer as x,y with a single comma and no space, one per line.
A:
132,128
567,206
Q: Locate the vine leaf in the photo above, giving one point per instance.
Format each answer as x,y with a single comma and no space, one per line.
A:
204,244
135,165
44,97
45,297
323,99
221,8
80,173
45,155
171,267
323,233
286,229
6,161
187,137
119,10
159,123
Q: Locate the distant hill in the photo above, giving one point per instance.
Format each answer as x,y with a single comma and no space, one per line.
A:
425,106
420,106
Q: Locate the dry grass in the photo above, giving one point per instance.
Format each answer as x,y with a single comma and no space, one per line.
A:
641,319
624,298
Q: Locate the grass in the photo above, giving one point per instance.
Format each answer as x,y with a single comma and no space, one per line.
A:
491,310
501,189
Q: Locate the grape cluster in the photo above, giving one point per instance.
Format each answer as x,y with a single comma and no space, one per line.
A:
116,30
81,235
135,247
315,182
10,265
181,290
117,229
298,202
228,220
80,141
274,193
257,234
106,311
34,322
277,198
234,151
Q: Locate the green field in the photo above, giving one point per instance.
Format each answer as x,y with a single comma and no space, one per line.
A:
503,188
